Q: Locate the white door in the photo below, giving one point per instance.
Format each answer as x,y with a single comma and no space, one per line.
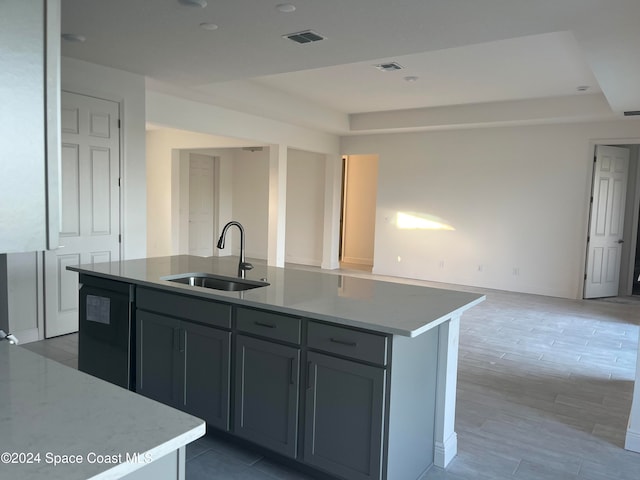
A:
89,203
200,205
607,221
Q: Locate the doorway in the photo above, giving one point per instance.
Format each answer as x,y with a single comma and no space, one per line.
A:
358,214
612,267
201,205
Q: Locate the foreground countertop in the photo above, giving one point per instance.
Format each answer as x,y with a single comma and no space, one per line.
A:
387,307
50,409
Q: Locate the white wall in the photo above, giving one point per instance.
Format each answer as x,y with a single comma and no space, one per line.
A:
361,178
517,198
175,112
167,186
305,207
129,90
250,201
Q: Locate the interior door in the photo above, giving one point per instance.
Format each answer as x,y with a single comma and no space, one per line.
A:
606,225
89,203
200,205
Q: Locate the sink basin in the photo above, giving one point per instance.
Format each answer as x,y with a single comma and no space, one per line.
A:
216,282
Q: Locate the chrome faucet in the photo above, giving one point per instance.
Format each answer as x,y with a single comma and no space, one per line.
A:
242,265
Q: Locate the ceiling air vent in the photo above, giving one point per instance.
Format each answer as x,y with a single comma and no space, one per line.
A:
632,113
308,36
389,67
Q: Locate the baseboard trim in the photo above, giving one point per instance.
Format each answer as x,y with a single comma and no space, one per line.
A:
358,261
632,442
302,261
443,453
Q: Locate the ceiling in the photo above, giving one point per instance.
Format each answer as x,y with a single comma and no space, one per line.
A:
462,52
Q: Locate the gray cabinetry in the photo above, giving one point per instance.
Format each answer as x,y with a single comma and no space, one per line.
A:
156,358
182,363
205,390
344,417
266,393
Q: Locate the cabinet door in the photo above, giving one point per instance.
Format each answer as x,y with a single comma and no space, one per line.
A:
205,389
344,416
266,400
158,363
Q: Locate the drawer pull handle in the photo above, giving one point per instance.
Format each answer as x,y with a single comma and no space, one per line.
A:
292,380
343,342
267,325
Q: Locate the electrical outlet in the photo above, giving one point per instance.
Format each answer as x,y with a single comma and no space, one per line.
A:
480,268
516,271
441,264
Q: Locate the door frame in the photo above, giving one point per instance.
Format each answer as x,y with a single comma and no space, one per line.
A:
87,92
180,197
631,237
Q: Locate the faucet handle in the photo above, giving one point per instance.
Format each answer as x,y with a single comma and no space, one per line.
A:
245,266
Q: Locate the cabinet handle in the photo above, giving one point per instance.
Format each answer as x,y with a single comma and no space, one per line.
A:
343,342
308,374
268,325
291,379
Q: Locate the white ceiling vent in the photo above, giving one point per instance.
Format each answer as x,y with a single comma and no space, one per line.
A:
308,36
389,67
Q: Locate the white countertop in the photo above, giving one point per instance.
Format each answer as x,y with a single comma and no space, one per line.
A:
387,307
49,409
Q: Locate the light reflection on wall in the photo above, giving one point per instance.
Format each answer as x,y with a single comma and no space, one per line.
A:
420,221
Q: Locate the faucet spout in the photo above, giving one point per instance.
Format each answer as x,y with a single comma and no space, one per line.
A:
243,266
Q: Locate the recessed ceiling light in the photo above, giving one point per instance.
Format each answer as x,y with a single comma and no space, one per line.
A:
582,88
208,26
193,3
73,37
285,8
410,79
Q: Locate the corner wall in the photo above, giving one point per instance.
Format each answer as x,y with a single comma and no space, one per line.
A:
517,198
305,207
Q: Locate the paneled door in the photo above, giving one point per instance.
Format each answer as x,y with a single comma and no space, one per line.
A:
89,203
606,225
200,205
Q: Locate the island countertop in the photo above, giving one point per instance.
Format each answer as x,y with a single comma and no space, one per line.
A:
49,409
386,307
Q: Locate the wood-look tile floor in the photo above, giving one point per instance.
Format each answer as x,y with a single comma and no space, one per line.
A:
544,393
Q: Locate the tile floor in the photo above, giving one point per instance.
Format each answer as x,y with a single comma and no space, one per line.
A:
544,393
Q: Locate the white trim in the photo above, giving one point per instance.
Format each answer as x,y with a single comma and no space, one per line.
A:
632,441
443,453
358,261
314,262
445,438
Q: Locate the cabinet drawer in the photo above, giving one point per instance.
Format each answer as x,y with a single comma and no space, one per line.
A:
188,308
368,347
269,325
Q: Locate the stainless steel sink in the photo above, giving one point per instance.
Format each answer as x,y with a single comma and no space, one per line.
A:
216,282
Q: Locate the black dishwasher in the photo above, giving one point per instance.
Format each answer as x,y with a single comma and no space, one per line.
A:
105,336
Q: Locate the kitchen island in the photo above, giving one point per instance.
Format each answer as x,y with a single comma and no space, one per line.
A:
58,423
355,378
